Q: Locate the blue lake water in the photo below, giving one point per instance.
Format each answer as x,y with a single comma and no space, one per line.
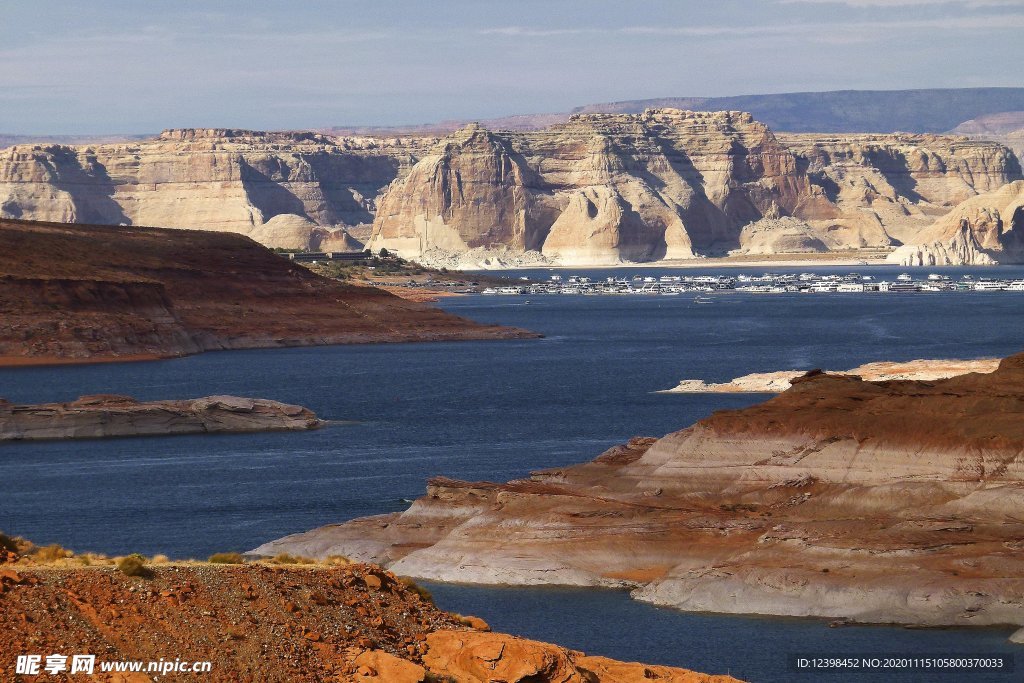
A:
482,410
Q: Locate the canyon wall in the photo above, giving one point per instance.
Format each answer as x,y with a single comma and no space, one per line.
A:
288,190
597,189
983,230
670,184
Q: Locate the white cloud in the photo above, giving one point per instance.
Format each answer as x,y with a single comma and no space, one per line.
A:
907,3
847,31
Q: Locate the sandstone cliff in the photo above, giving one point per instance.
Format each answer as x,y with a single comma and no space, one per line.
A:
275,187
100,416
597,189
269,623
670,184
982,230
70,292
893,501
886,188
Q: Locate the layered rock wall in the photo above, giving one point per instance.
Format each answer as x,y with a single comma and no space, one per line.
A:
669,184
284,190
983,230
597,189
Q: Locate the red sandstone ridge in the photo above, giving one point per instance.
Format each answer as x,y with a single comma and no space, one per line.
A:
265,623
89,292
889,501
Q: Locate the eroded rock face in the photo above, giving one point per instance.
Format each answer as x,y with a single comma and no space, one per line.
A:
93,417
670,184
274,187
983,230
597,189
888,501
886,188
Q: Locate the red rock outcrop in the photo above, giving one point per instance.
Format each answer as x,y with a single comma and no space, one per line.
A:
888,501
88,292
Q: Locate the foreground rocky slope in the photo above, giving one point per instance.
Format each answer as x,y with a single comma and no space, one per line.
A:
874,501
74,293
671,184
275,624
100,416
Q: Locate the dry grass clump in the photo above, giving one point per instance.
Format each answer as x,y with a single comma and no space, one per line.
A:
287,558
226,558
425,595
133,565
14,544
337,561
50,553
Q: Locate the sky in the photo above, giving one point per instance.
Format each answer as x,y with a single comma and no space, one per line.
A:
130,66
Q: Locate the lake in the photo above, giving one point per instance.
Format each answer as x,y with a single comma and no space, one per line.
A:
483,410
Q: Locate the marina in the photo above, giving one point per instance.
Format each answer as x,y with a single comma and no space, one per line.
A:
767,283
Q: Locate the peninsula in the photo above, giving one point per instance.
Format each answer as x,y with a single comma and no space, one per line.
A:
887,501
85,293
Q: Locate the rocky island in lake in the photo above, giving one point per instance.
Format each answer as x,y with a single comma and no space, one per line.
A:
99,416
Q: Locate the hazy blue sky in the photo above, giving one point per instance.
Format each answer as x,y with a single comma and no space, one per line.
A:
138,66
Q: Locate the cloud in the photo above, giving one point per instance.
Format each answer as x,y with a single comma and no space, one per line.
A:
906,3
847,31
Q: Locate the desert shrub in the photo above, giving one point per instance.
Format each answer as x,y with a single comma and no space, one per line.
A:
438,678
419,590
286,558
339,560
9,543
133,565
227,558
161,559
50,553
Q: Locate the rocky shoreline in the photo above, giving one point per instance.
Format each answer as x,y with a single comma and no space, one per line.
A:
877,502
776,382
103,416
